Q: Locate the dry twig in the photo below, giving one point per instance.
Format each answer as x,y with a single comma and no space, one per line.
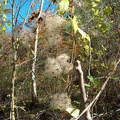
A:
102,88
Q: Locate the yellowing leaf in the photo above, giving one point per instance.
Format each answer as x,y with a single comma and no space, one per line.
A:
4,17
74,23
96,11
87,37
84,35
63,6
94,4
3,28
73,111
86,47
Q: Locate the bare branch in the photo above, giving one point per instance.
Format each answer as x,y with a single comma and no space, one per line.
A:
103,87
34,97
27,13
82,88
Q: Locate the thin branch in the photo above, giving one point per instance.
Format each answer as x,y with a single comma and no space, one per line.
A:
27,13
34,59
22,63
10,2
90,59
82,88
18,11
103,87
112,112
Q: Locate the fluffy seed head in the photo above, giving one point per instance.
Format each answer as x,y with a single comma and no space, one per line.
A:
53,27
17,30
61,101
68,67
63,59
53,21
53,38
52,68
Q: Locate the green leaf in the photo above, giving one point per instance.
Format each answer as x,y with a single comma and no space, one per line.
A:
9,25
99,18
107,10
90,78
94,4
33,52
63,6
96,11
102,27
77,102
86,47
87,37
96,83
0,46
74,23
73,111
87,85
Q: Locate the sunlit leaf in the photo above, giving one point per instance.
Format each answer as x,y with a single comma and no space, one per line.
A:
63,6
3,28
33,52
97,0
5,2
86,47
73,111
4,17
96,11
94,4
104,48
84,35
87,37
74,23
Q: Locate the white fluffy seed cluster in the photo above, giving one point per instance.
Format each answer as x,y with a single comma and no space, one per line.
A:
26,35
55,66
23,34
53,25
52,67
60,101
